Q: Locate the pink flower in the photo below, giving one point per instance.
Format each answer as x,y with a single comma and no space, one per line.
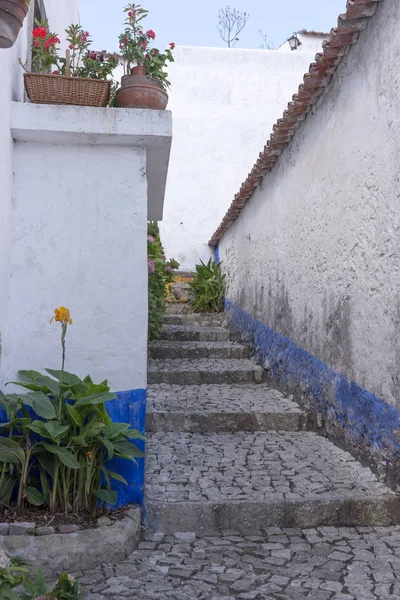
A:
55,72
150,239
150,266
71,46
169,270
172,45
150,34
162,256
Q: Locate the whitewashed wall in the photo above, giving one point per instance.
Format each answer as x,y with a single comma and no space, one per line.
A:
68,230
224,102
316,253
12,88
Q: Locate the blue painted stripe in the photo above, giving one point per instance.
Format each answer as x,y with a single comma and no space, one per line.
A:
129,407
367,421
216,254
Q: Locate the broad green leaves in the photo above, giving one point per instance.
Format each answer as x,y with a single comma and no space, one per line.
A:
208,287
57,441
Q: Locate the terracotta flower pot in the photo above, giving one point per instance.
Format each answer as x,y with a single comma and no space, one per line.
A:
12,15
140,91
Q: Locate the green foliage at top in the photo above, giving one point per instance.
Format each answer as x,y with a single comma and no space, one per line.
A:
57,441
208,287
161,273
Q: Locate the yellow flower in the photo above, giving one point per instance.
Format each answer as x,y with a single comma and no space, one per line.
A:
62,314
90,454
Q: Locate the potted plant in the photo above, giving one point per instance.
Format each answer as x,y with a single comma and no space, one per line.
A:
12,15
80,79
145,81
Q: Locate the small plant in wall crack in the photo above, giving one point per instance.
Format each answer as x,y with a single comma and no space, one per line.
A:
208,287
58,439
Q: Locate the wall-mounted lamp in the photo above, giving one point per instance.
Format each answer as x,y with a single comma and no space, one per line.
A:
294,41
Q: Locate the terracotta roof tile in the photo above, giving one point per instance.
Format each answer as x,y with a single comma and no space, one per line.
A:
358,12
313,33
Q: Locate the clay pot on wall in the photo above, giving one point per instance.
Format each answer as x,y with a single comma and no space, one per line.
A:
12,15
140,91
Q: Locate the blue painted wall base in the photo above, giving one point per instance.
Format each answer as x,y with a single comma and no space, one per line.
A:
129,407
369,426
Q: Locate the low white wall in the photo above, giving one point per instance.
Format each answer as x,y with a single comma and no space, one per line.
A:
79,240
315,254
12,89
224,102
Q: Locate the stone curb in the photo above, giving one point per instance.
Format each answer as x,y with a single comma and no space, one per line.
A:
80,550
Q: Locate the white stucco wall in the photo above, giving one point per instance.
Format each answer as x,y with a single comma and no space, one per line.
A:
12,88
79,243
79,238
316,253
224,102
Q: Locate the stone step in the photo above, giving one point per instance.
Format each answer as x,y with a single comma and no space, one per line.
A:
214,408
186,333
167,349
199,319
249,481
191,372
174,308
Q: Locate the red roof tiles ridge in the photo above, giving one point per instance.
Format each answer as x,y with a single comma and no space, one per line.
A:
341,38
313,33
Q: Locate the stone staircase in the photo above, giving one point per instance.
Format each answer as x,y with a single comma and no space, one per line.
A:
227,452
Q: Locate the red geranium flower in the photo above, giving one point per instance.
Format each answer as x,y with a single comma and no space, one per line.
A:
150,34
39,32
154,52
172,45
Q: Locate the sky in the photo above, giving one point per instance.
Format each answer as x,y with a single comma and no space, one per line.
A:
192,23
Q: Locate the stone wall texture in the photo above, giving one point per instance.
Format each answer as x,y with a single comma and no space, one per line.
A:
315,253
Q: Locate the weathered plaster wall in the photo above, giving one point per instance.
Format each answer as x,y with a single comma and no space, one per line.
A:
60,13
224,103
315,253
79,243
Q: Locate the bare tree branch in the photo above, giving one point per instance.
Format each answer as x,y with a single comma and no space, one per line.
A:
265,44
230,23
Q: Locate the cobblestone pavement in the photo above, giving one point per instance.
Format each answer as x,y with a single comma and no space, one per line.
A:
253,466
326,563
219,398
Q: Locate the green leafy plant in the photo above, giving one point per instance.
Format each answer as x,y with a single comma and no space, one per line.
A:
57,441
161,273
16,572
135,47
208,287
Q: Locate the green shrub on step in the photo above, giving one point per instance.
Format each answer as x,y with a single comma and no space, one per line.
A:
208,287
161,273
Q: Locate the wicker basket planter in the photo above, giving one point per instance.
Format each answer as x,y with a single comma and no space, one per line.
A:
58,89
12,15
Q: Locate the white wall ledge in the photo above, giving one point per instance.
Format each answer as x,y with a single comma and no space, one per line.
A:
81,125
